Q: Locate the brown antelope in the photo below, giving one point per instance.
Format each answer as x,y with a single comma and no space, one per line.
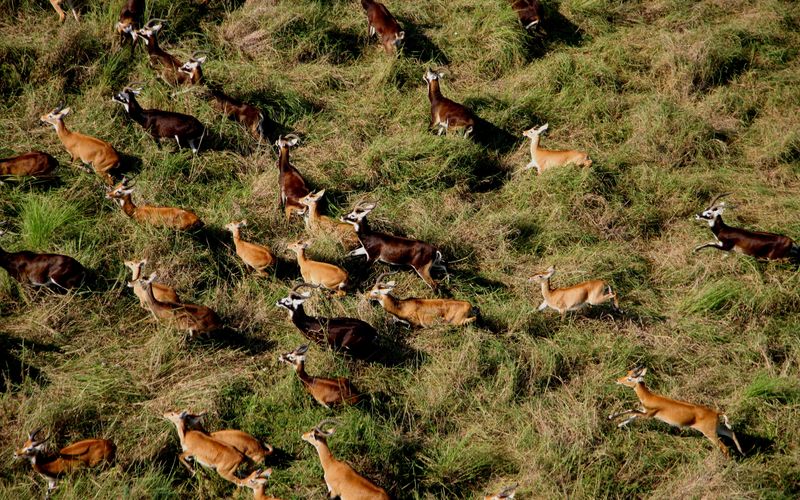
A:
205,450
256,256
257,481
593,292
544,159
322,224
292,185
421,312
34,163
447,114
753,243
381,22
185,316
61,15
53,466
676,413
242,441
160,58
249,116
506,494
100,154
529,12
193,70
340,478
319,273
162,293
326,391
175,218
129,19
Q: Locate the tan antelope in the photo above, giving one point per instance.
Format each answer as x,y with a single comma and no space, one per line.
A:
317,223
319,273
242,441
205,450
506,494
421,312
340,478
175,218
53,466
257,481
100,154
61,14
256,256
593,292
185,316
326,391
676,413
162,293
544,159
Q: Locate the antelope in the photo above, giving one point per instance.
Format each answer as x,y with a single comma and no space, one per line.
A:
100,154
346,335
192,69
256,256
326,391
544,159
293,187
205,450
247,115
53,466
390,249
61,15
176,218
185,316
323,274
160,124
530,12
129,19
381,21
317,223
340,478
32,164
676,413
162,293
446,114
159,58
43,269
593,292
753,243
506,494
252,448
257,481
421,312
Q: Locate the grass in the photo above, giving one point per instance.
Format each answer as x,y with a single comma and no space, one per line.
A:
675,101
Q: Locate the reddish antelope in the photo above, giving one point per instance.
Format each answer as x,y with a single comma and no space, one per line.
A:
593,292
185,316
326,391
100,154
506,494
34,164
256,256
394,250
530,12
192,69
176,218
342,481
753,243
322,224
242,441
129,19
447,114
53,466
162,293
292,185
249,116
61,14
544,159
314,272
421,312
43,269
381,21
161,59
257,481
676,413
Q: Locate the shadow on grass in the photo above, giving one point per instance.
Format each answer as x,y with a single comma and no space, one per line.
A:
751,445
554,30
418,46
13,368
232,339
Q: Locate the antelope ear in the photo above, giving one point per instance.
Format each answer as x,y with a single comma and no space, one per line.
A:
391,284
401,35
642,372
201,60
65,111
319,194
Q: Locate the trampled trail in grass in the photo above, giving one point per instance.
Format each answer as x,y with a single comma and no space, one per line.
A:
674,101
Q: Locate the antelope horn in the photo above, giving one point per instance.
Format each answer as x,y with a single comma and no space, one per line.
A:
32,435
58,108
199,53
714,201
508,491
382,275
318,427
148,23
298,286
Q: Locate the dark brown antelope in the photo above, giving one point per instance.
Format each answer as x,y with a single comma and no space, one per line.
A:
293,186
381,21
447,114
43,269
130,18
529,12
249,116
753,243
32,164
193,69
326,391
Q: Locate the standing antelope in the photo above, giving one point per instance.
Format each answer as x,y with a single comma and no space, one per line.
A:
753,243
130,18
43,269
176,218
249,116
162,293
292,185
34,164
100,154
421,312
326,391
572,298
544,159
322,224
319,273
381,21
447,114
257,481
53,466
256,256
342,481
529,12
61,15
676,413
242,441
390,249
506,494
159,58
185,316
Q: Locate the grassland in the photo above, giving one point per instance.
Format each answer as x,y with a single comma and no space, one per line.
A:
674,100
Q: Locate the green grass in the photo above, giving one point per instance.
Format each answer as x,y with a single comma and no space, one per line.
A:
675,101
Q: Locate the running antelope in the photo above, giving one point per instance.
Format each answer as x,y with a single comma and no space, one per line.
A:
753,243
529,12
257,481
314,272
185,316
130,18
394,250
176,218
421,312
162,293
507,494
249,116
544,159
676,413
593,292
61,14
100,154
447,114
32,164
53,466
292,185
43,269
256,256
326,391
381,22
253,448
342,481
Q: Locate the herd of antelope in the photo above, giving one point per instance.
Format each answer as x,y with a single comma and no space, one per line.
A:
227,450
